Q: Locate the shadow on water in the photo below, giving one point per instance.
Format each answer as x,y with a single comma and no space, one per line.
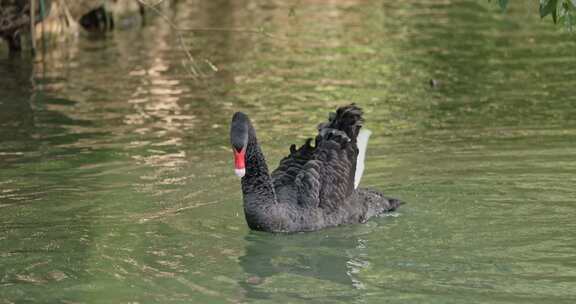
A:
42,244
82,160
300,265
16,109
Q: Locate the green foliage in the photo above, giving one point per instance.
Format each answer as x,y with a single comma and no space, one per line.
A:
503,4
562,11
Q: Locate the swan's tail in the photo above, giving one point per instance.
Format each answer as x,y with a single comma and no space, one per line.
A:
394,204
376,202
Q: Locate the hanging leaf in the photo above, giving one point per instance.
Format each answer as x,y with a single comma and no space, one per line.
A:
562,11
556,12
568,15
547,7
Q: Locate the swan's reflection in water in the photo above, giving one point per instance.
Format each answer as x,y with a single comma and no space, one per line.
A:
329,259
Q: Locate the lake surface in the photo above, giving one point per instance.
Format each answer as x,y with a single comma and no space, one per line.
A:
116,174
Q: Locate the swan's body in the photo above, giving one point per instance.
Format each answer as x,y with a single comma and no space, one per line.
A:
315,186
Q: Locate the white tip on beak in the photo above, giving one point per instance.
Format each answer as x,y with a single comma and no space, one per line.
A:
240,172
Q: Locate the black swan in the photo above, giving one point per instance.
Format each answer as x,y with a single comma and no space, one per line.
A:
315,186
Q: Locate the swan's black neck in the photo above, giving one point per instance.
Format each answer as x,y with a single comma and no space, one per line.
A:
257,187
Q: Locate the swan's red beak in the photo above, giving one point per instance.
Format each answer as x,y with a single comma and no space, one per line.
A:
239,162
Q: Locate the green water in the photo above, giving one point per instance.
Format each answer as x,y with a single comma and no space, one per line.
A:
116,176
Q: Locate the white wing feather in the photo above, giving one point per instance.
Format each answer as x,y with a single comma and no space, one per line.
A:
362,143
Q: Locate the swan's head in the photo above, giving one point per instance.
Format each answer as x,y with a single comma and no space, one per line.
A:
239,141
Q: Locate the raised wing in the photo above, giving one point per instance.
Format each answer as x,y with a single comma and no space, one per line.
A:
323,176
292,164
